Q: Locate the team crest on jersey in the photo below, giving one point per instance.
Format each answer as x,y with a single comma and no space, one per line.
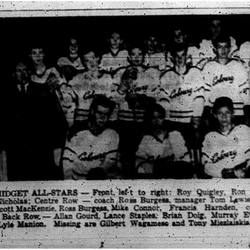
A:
90,94
222,155
221,79
180,92
90,157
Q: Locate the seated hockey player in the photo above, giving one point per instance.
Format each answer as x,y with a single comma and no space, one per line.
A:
92,153
226,151
161,153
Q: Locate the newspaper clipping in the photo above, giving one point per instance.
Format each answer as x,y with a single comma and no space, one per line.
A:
125,125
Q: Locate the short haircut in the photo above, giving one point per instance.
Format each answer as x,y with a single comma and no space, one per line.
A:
113,32
101,100
150,111
95,50
179,47
222,38
223,102
136,46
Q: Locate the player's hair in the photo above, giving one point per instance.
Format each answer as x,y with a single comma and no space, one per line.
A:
150,111
87,50
136,45
223,102
110,33
101,100
178,47
222,38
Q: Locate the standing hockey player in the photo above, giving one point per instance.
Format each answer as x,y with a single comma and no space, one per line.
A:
72,58
182,91
227,77
137,89
226,151
116,57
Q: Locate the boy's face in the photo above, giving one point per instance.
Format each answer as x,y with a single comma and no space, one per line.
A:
136,57
115,40
73,46
101,116
224,116
223,50
215,28
91,60
21,73
37,55
157,120
151,42
180,58
179,36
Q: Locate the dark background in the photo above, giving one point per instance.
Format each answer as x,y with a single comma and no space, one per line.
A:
18,33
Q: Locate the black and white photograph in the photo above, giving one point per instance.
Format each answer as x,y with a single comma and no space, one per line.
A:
125,97
137,112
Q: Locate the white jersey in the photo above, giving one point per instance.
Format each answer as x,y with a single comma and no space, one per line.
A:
42,79
68,101
77,64
111,61
152,148
196,57
207,48
228,80
146,83
86,86
157,60
225,151
182,95
86,151
244,53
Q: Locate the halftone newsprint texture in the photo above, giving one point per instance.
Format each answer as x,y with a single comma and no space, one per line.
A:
49,195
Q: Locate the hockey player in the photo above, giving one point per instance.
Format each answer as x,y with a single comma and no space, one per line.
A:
227,77
226,151
116,57
137,89
92,153
90,83
40,72
182,91
154,57
162,154
205,52
73,58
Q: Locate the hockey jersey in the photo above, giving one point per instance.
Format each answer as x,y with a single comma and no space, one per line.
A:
182,95
68,100
42,79
152,148
144,85
111,61
86,87
227,80
86,151
77,64
221,151
158,61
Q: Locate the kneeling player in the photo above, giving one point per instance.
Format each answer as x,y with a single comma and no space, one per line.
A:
226,151
162,154
92,153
